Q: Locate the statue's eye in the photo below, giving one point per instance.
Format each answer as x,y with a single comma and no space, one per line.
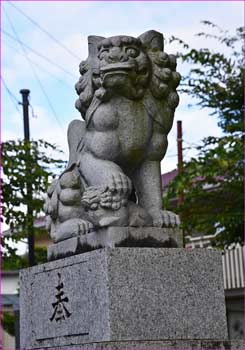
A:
103,54
132,52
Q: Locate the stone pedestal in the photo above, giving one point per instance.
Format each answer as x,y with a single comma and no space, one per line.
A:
129,295
115,236
159,345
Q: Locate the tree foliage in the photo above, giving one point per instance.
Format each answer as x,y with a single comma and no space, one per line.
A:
212,182
17,262
7,321
24,164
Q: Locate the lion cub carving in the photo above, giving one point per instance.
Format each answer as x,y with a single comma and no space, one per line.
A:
127,98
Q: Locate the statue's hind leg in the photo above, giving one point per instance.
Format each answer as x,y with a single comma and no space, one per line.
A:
147,181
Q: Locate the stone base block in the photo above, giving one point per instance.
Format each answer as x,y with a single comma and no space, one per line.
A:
162,345
123,294
111,237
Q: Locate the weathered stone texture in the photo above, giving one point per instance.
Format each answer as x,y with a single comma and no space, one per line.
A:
162,345
111,237
127,98
124,294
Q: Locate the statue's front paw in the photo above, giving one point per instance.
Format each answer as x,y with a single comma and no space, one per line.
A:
164,218
120,183
72,228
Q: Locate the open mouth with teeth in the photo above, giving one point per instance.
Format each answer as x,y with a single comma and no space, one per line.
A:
116,68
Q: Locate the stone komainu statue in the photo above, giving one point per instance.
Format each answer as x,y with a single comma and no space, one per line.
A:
127,98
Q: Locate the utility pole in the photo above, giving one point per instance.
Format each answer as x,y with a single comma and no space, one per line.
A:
29,227
180,162
179,145
180,154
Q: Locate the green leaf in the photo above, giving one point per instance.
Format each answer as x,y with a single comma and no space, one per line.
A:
212,183
25,165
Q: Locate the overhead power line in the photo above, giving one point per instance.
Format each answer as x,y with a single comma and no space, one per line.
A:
11,95
40,66
9,91
44,31
37,53
192,144
170,155
34,72
32,111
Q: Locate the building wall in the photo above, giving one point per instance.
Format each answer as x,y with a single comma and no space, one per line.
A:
9,283
8,342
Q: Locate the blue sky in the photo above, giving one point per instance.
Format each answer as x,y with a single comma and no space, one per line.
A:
71,22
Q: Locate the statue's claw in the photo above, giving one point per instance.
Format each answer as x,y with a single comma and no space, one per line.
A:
84,226
164,218
120,183
71,228
109,197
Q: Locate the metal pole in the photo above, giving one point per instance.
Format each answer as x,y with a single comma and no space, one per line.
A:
25,103
180,154
179,146
29,227
180,163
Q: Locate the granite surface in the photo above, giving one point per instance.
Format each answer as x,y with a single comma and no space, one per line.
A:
111,237
162,345
127,96
123,294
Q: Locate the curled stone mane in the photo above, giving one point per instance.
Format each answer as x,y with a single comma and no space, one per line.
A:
84,88
119,40
161,78
127,98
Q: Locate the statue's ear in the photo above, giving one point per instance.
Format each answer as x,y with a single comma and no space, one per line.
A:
152,40
93,42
